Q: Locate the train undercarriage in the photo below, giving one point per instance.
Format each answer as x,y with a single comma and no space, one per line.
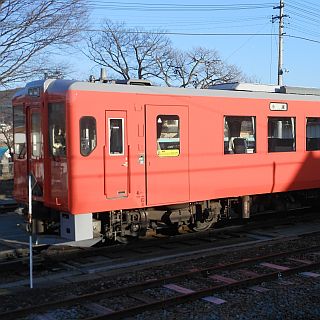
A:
123,225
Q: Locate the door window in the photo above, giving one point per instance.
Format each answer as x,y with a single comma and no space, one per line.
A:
36,138
116,136
168,136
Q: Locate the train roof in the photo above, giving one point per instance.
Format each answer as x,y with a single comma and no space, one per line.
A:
254,87
240,90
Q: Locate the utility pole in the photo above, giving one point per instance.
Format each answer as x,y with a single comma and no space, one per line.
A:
281,33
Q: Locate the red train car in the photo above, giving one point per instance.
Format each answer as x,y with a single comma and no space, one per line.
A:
111,160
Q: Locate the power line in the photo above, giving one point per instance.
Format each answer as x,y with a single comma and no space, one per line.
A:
302,38
181,33
305,5
304,16
139,6
204,34
303,10
298,9
304,31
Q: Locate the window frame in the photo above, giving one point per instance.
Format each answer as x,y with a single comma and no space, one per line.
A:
254,133
62,124
40,142
294,118
122,138
306,136
83,118
165,153
21,154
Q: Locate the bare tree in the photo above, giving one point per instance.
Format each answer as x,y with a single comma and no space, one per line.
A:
29,28
198,68
135,53
129,53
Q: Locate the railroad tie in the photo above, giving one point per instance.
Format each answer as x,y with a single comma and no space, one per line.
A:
274,266
222,279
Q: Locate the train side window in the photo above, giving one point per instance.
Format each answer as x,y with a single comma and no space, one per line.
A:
168,136
88,135
57,129
19,124
239,134
281,134
36,137
312,134
116,136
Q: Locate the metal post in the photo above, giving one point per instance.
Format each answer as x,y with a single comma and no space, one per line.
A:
30,234
280,17
280,68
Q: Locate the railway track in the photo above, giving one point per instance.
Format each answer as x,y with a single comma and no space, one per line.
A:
202,283
74,261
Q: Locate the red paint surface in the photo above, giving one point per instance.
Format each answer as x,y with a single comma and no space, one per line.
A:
202,171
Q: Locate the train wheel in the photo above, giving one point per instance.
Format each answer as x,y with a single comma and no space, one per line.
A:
205,219
202,225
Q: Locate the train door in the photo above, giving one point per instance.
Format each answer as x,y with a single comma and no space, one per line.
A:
116,155
28,150
167,152
58,170
20,150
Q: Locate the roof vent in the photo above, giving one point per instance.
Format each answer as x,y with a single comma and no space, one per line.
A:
139,82
300,90
242,86
134,82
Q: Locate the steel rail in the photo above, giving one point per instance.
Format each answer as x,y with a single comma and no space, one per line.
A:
161,281
164,303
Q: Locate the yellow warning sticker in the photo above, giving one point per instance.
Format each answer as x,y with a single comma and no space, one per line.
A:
168,153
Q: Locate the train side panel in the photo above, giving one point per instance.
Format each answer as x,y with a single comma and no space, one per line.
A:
214,174
112,176
203,170
133,153
155,166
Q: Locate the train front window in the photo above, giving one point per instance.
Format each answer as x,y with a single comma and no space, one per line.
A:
281,134
239,134
57,129
88,135
19,124
168,136
313,134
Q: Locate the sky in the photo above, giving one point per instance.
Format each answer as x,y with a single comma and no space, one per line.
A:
240,30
